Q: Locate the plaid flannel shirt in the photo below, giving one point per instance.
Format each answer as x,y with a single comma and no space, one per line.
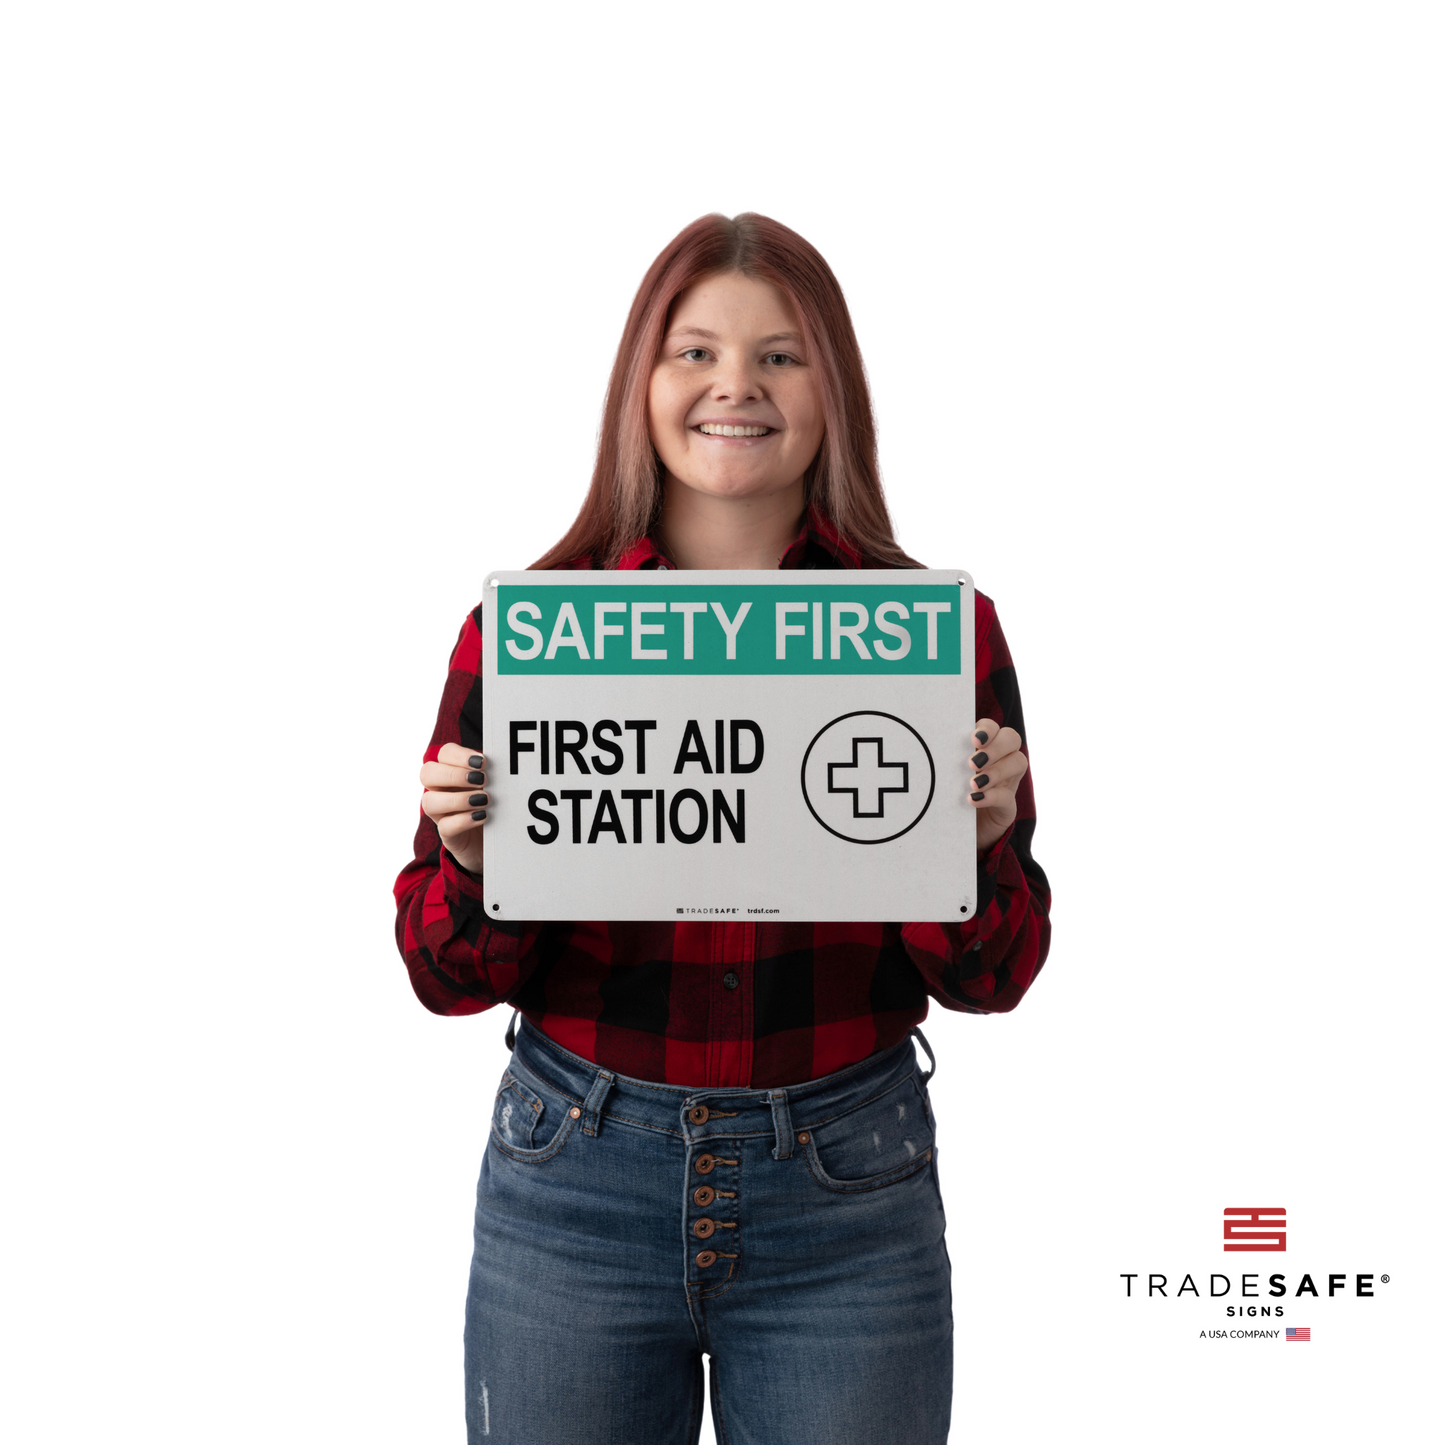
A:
725,1004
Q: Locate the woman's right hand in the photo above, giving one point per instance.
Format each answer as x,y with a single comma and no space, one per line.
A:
455,801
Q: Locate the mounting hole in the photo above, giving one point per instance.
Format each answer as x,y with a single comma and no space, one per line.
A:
963,908
496,907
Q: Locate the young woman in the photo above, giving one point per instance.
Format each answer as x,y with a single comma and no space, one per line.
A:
715,1137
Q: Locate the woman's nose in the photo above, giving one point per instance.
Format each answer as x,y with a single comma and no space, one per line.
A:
736,382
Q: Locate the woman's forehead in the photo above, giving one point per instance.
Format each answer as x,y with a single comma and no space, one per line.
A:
730,303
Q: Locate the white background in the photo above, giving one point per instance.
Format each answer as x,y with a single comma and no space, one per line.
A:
306,314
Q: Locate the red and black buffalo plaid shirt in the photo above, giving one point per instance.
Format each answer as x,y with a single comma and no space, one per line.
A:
725,1004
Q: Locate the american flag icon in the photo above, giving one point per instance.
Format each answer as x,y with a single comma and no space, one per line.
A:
1291,1333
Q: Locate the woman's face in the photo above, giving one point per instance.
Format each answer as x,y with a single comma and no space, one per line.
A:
733,358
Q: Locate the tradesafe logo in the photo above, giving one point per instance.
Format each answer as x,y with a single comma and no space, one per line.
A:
1255,1229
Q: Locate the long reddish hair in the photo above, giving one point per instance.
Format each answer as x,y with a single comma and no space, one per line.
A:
625,497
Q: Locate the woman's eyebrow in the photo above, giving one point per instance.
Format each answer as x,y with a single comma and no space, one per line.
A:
713,336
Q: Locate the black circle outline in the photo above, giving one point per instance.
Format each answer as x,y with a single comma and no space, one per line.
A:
868,712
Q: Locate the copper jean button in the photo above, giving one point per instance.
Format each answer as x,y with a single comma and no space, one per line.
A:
703,1195
703,1228
704,1164
705,1257
803,1137
575,1112
697,1114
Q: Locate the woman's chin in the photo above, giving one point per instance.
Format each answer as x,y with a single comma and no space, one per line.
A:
737,486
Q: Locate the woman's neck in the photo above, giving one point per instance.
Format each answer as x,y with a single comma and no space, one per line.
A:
700,531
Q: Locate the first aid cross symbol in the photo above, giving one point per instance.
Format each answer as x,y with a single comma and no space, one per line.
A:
867,777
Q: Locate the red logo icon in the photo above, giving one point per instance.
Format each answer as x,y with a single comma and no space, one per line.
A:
1253,1230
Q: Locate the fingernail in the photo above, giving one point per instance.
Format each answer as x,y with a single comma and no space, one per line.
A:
482,813
476,777
982,737
981,781
977,798
477,800
979,759
476,761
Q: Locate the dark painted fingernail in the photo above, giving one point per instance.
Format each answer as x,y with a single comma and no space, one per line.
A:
979,759
477,800
482,813
476,777
981,781
982,737
475,761
977,798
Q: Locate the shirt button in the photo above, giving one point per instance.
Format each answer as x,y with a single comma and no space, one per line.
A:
703,1195
978,945
703,1228
697,1114
730,979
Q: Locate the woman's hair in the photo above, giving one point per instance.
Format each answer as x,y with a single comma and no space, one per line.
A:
842,483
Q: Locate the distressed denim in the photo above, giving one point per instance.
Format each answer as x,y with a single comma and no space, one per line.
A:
625,1228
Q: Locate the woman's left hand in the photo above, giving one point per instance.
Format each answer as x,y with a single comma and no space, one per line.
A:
996,765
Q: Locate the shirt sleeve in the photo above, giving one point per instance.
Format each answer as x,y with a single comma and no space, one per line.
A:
986,963
460,961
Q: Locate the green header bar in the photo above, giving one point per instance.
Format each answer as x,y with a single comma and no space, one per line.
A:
557,629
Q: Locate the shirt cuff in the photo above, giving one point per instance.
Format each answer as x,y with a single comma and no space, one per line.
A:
460,880
988,866
990,860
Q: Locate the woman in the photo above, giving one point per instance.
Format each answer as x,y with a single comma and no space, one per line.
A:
715,1138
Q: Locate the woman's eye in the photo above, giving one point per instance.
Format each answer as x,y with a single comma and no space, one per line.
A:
694,353
779,358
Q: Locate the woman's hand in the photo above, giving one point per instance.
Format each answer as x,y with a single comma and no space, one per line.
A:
996,766
455,802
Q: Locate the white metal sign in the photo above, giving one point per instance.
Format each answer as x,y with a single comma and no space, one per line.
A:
750,746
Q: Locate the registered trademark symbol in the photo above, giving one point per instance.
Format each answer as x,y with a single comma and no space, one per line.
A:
1384,1279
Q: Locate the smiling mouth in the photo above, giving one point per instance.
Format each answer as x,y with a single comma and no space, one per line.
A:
715,429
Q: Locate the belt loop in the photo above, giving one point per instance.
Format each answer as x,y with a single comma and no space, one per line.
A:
918,1034
512,1031
592,1104
782,1124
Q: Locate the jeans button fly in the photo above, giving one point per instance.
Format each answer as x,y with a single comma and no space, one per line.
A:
704,1164
705,1257
703,1228
698,1114
703,1195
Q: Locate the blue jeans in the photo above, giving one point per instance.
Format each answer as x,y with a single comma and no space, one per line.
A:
624,1229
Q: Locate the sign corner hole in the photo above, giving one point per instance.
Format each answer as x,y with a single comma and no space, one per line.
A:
496,907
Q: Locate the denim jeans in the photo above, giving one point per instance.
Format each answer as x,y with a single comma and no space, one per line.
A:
624,1229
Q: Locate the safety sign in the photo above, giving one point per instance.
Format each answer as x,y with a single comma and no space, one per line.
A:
714,746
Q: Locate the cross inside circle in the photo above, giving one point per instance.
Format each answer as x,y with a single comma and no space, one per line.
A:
867,777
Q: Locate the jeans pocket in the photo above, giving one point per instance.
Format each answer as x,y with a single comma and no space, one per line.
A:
529,1123
885,1139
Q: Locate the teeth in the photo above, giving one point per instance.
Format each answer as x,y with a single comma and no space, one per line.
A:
711,429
